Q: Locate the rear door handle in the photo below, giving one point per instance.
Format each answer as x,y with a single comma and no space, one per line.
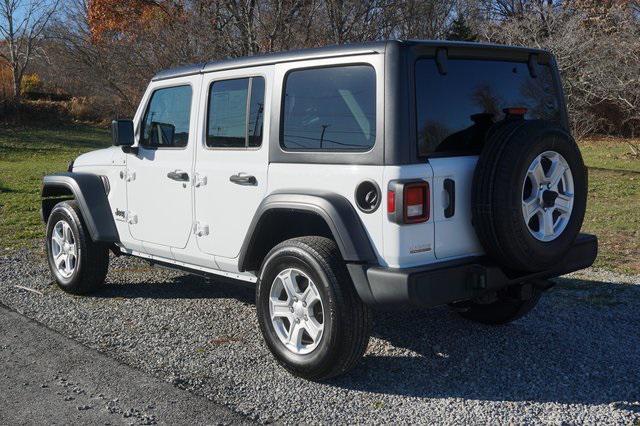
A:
450,188
243,179
178,175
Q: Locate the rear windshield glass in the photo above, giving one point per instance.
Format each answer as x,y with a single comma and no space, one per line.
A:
454,110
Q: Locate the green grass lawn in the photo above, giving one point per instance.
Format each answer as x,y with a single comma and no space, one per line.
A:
613,209
610,153
28,154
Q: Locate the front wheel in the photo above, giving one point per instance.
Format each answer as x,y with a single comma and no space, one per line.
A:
78,264
309,313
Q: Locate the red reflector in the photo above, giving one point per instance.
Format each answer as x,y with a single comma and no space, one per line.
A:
391,202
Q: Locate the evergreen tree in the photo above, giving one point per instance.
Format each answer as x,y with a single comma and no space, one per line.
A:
460,30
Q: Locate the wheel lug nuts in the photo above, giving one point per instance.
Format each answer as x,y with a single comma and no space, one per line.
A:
291,309
297,320
306,318
304,304
295,299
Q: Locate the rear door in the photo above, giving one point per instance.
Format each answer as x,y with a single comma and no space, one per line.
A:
232,159
456,104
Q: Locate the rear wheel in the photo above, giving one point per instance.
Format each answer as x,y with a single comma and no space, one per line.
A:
78,264
309,313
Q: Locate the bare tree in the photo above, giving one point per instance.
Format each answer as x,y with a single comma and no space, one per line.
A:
425,19
22,25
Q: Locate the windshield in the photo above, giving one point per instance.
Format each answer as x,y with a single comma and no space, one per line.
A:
454,110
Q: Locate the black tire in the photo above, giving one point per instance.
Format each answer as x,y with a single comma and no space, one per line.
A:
92,259
505,309
347,321
498,188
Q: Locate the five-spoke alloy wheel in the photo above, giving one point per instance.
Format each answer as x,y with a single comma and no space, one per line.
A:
296,311
309,312
78,264
64,249
547,196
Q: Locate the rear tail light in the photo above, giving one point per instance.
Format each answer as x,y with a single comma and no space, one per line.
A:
408,201
416,204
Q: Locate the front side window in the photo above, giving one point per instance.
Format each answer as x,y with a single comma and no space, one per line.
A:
236,112
166,121
329,109
455,109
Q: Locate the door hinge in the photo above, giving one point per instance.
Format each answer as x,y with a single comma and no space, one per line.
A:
128,175
200,229
199,180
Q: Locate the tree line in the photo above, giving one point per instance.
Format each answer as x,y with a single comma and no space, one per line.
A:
105,51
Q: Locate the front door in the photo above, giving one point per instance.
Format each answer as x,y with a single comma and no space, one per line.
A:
159,188
232,159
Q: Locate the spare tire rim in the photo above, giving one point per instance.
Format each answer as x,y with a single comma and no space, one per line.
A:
547,196
64,249
296,311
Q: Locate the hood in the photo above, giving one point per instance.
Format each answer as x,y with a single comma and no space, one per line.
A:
102,157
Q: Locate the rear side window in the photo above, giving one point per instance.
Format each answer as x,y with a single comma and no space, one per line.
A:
454,110
236,110
166,121
329,109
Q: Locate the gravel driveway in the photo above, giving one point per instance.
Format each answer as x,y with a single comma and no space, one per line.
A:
574,359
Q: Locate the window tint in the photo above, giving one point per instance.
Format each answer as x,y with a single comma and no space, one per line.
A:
228,124
166,121
456,109
256,112
330,109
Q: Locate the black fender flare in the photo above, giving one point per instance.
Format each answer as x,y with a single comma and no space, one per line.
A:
90,194
337,212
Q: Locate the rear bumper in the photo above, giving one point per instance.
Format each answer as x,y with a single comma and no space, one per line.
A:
456,280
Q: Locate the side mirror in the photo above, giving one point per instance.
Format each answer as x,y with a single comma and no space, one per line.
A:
122,133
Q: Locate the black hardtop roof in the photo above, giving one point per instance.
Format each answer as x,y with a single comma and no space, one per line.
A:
327,52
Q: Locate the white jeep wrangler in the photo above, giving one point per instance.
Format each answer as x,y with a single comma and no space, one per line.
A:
388,174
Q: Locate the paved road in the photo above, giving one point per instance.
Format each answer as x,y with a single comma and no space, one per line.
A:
46,378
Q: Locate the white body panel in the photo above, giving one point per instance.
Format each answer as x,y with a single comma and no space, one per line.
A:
341,179
110,162
408,245
454,236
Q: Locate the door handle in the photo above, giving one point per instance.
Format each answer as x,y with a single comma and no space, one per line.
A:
450,188
178,175
243,179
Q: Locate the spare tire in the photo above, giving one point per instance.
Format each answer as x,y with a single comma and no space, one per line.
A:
529,194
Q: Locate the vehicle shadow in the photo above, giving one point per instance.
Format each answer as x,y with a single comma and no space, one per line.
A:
580,345
179,287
